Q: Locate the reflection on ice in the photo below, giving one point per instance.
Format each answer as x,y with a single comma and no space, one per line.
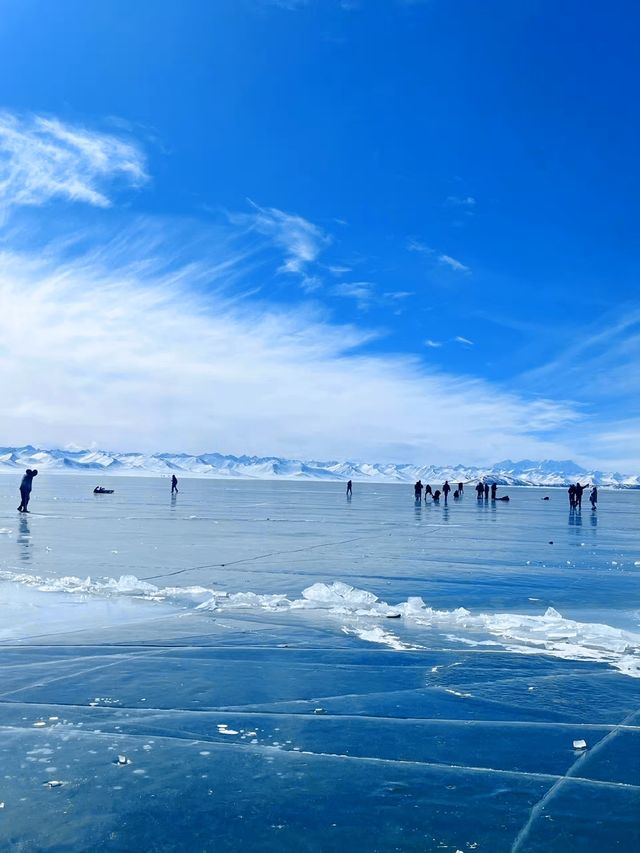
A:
24,539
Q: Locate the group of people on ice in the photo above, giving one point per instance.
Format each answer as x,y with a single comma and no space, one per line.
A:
575,496
482,490
435,495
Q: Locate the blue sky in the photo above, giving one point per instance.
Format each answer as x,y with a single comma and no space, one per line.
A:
404,230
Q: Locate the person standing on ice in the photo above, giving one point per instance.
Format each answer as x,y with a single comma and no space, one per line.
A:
349,488
593,497
174,484
579,490
446,488
25,489
460,488
494,489
486,491
572,496
417,490
427,491
480,490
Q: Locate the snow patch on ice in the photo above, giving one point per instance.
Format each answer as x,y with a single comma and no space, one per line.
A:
377,635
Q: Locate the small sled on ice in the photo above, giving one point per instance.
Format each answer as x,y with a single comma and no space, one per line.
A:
100,490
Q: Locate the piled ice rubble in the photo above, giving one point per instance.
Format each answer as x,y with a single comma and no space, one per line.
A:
549,633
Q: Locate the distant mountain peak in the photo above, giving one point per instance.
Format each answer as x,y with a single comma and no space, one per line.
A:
526,472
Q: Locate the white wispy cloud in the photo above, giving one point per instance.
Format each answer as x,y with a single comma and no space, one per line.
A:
460,340
414,245
452,263
599,360
300,240
43,159
467,201
432,344
362,291
140,355
397,294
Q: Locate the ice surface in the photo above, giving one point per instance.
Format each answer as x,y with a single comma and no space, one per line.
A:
234,646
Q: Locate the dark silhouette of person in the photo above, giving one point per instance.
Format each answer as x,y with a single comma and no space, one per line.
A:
572,496
349,488
460,488
25,489
480,490
446,488
174,484
486,491
579,490
427,491
456,495
417,490
593,497
436,495
494,489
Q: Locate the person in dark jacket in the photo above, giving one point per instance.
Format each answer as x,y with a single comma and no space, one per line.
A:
593,497
174,484
25,489
494,489
579,490
480,490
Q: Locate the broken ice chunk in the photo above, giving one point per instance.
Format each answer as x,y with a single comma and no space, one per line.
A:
54,783
319,711
579,744
122,759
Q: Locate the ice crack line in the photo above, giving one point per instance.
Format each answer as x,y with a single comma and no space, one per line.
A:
257,557
571,773
271,554
76,673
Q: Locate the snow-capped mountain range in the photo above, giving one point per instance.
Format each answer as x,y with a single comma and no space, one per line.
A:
524,473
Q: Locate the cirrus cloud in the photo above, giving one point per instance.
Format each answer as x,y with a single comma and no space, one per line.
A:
43,159
133,356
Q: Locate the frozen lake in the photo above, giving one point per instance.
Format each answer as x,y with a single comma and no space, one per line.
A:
285,671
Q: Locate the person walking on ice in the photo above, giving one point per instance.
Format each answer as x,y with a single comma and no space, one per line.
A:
349,488
25,489
593,497
174,484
